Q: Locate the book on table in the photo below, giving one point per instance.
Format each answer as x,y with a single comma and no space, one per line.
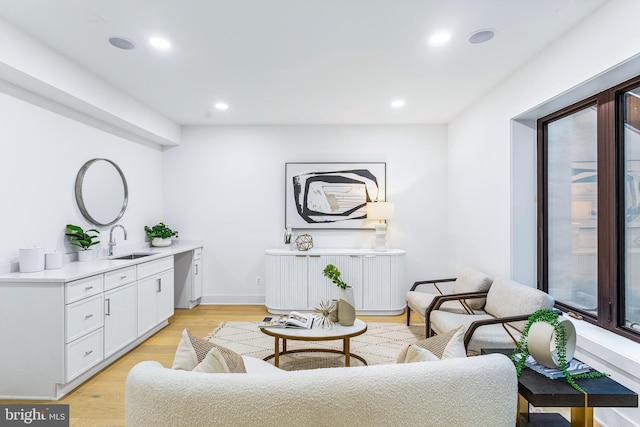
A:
291,320
574,367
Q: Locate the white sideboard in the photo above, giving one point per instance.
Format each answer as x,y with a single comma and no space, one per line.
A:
60,327
294,279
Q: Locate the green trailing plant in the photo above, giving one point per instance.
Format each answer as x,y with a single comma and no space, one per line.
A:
160,230
521,351
81,238
332,272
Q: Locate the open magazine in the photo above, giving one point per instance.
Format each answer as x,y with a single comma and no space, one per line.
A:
574,367
292,320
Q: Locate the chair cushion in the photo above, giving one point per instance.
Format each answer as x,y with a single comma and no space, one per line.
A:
419,301
472,280
509,298
192,351
448,345
489,336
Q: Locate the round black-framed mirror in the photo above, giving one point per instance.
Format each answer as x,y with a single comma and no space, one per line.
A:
102,193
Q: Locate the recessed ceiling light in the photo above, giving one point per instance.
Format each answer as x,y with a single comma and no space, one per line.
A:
397,103
221,106
481,36
122,43
160,43
440,38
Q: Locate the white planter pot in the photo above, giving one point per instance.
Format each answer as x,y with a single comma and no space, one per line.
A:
85,255
541,342
160,242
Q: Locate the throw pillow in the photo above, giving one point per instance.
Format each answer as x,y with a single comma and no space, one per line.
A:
444,346
419,354
192,351
213,363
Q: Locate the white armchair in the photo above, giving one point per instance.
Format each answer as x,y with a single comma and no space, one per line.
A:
507,308
422,293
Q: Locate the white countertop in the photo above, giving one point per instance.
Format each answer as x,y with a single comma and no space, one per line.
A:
77,270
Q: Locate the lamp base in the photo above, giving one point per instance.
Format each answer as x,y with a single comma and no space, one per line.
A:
381,237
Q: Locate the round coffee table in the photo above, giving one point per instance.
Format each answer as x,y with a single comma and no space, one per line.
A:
317,333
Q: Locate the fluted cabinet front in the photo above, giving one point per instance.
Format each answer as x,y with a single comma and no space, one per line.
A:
294,279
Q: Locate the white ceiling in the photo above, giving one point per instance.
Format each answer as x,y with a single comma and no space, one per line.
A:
300,61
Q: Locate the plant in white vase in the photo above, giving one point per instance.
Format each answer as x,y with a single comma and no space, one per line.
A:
346,303
160,234
82,239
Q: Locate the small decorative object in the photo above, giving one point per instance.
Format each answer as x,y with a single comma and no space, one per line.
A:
32,259
346,303
380,211
160,234
536,341
288,237
82,239
304,242
322,313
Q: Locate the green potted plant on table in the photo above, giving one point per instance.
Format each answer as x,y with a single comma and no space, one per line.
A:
346,303
542,327
82,239
160,234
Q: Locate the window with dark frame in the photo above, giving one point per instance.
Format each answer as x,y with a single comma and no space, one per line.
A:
589,208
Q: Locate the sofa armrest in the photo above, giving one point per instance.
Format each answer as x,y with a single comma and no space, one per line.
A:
433,281
439,300
498,320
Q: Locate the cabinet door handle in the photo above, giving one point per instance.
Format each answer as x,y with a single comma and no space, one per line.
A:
108,301
160,285
88,288
196,269
123,277
86,353
88,316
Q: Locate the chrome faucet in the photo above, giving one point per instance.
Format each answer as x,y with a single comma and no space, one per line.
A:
112,241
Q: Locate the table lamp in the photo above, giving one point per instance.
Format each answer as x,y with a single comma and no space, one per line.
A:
380,211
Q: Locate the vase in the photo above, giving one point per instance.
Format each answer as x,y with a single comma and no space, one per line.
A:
541,342
160,242
85,255
346,307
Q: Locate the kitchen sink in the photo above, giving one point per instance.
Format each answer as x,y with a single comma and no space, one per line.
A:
134,256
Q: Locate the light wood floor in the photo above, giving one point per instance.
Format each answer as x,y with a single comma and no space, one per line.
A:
100,400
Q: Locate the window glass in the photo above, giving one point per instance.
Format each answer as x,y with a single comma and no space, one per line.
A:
572,201
632,208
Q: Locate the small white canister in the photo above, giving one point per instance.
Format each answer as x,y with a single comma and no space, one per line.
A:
31,259
53,260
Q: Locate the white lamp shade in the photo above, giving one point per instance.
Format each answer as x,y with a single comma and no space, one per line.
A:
380,210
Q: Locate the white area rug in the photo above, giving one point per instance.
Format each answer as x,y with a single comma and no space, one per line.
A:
379,345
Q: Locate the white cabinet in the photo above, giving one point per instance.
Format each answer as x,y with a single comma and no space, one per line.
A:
188,278
294,279
120,318
155,293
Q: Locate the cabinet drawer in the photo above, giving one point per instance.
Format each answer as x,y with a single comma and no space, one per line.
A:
197,253
150,268
83,316
79,289
83,353
116,278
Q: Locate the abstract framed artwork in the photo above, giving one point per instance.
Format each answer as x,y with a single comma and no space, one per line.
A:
332,195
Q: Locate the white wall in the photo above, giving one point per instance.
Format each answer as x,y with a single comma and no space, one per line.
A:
491,184
226,185
41,154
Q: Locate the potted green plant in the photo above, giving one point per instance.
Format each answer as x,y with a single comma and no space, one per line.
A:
82,239
160,234
346,303
523,350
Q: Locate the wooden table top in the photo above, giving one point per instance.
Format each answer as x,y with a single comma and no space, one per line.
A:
542,391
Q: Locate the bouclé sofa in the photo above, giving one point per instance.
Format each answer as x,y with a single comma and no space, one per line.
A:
475,391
